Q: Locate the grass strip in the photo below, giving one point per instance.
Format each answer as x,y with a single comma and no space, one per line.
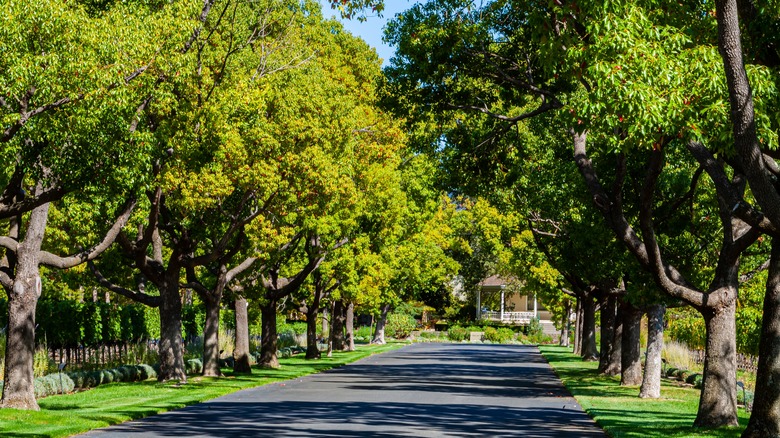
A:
114,403
620,411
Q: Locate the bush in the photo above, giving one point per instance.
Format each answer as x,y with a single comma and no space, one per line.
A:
146,372
286,339
399,325
51,385
670,371
457,333
194,366
694,379
363,333
501,335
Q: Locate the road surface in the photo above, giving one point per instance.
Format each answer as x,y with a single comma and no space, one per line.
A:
422,390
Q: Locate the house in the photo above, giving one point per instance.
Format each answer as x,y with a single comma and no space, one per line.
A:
505,300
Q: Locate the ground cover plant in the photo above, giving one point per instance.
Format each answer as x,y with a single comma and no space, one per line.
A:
118,402
619,410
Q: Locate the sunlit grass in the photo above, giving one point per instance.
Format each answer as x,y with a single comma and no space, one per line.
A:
114,403
620,411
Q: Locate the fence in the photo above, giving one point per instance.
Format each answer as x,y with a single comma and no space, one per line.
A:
745,362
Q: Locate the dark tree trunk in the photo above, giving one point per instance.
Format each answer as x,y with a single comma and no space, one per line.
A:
651,381
337,329
379,332
608,315
241,363
631,364
718,401
589,351
171,347
350,327
578,328
564,341
614,367
268,358
211,337
765,418
312,350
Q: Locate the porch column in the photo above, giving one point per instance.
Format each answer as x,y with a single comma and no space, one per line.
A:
479,304
536,314
502,302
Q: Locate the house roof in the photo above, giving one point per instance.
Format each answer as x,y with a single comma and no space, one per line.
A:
494,281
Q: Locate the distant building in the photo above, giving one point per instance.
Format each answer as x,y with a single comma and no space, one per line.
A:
514,306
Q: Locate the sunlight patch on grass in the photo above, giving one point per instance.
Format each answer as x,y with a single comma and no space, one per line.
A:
620,411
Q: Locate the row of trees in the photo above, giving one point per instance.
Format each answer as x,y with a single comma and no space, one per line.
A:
667,109
232,149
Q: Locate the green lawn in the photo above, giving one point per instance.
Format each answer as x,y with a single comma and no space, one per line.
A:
621,412
114,403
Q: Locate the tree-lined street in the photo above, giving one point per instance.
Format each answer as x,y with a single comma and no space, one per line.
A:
422,390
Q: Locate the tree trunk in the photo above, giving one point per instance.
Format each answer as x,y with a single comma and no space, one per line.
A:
615,366
765,418
631,363
241,362
718,401
268,358
588,346
350,327
578,328
564,341
171,347
22,300
651,381
211,337
312,350
337,327
608,315
379,332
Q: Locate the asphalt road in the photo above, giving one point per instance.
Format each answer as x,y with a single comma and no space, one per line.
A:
422,390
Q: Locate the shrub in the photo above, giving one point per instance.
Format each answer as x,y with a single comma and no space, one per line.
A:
677,355
670,371
286,339
694,379
146,372
400,325
457,333
50,385
363,333
500,335
194,366
534,328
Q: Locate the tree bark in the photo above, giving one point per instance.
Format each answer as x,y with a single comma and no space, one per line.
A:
350,327
171,347
268,358
718,401
241,362
765,418
379,333
578,328
20,344
564,341
608,314
589,351
312,350
616,355
651,381
337,327
211,337
631,363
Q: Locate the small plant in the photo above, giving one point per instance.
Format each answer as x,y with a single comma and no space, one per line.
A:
678,355
501,335
399,325
457,333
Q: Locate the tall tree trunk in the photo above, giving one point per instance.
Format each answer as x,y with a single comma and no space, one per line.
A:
312,351
631,372
718,401
651,381
211,337
379,333
608,315
241,363
350,327
171,348
578,328
22,301
268,358
564,341
765,418
615,365
589,350
337,326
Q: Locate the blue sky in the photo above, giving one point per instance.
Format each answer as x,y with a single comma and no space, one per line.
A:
371,29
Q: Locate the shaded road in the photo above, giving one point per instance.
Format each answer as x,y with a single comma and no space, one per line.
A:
422,390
